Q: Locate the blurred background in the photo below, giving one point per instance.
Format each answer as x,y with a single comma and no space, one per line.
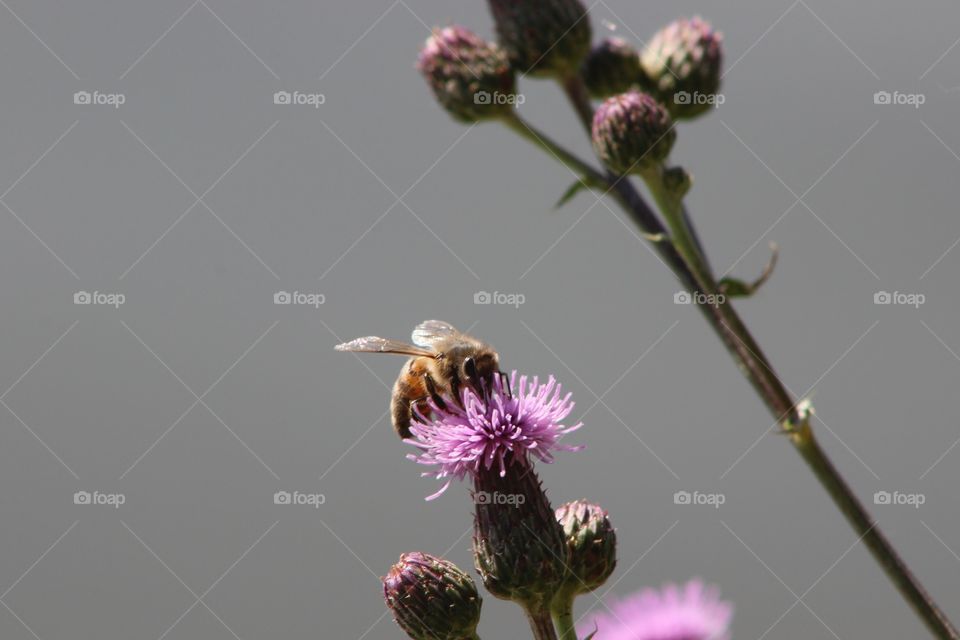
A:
176,197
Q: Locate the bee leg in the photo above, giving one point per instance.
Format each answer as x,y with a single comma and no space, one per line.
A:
505,383
434,394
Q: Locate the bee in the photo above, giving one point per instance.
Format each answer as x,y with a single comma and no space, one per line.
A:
442,360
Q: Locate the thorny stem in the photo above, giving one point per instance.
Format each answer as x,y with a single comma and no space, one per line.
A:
750,359
541,624
562,612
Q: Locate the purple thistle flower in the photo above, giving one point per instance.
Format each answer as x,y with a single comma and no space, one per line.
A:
479,434
693,611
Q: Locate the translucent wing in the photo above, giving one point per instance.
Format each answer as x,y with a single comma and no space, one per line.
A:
429,332
373,344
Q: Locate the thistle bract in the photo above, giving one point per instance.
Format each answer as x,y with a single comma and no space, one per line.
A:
611,67
543,37
591,545
431,599
518,546
683,62
470,77
632,132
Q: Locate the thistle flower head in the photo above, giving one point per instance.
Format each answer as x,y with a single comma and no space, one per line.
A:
632,132
543,37
470,77
591,545
693,611
611,67
486,435
431,598
683,61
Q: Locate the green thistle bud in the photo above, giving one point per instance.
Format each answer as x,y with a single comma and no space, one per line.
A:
591,545
632,132
548,38
612,67
470,77
518,544
683,62
431,599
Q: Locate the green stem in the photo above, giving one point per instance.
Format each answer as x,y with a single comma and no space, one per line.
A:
562,612
587,173
541,624
733,332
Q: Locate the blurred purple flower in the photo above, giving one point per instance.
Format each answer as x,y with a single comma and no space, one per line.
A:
693,611
514,422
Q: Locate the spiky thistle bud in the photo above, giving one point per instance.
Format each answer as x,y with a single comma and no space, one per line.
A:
611,67
591,545
518,544
632,132
683,62
546,38
431,599
471,78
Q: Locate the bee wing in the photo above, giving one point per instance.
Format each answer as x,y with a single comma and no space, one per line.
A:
429,332
373,344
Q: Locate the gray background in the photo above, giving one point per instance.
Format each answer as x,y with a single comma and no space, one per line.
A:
395,214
